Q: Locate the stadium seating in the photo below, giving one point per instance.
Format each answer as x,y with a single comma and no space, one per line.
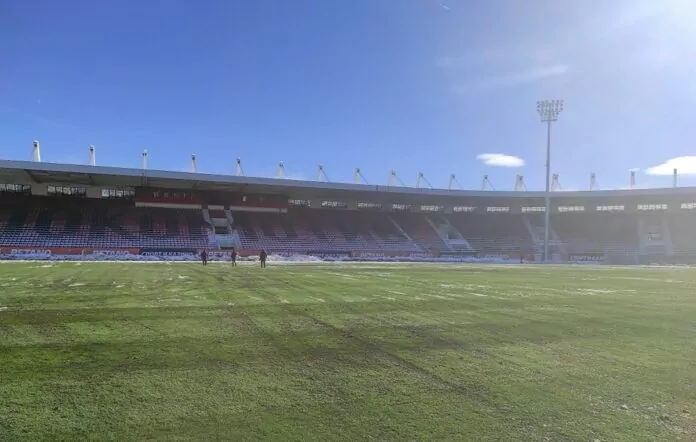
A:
420,230
597,233
41,221
494,233
682,230
66,222
302,230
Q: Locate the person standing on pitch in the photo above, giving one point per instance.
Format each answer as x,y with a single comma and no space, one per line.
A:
233,257
204,257
262,257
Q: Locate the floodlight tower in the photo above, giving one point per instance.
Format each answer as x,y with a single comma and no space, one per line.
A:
548,111
37,151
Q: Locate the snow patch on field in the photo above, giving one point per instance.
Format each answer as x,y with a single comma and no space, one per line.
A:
444,298
641,278
76,284
596,291
476,286
342,275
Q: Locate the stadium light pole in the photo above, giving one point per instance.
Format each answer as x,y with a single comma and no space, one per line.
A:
548,111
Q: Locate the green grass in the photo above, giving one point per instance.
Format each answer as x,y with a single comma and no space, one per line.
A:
141,351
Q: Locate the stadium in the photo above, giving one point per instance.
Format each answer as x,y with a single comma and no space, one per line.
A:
71,210
467,340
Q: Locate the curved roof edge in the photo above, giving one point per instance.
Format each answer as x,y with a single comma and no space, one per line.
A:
232,180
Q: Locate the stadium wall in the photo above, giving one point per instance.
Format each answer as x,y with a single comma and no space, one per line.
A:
84,254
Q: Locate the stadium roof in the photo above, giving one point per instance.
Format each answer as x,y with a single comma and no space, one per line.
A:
106,176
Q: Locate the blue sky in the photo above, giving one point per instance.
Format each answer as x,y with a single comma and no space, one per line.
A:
415,85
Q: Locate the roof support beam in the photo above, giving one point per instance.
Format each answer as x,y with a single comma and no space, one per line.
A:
33,177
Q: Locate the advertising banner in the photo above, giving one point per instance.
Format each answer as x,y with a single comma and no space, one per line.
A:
581,257
388,254
458,254
329,255
163,253
26,251
115,252
63,251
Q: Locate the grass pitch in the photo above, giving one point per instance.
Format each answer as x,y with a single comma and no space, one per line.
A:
346,352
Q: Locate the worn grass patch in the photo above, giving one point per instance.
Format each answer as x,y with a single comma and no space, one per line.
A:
346,352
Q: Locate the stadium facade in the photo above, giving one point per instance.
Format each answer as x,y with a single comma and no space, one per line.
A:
60,209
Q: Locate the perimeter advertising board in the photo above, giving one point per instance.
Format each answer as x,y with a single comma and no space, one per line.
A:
64,251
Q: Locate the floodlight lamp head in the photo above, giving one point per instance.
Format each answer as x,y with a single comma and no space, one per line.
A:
549,109
239,160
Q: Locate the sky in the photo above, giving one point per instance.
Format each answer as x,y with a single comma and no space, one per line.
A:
438,87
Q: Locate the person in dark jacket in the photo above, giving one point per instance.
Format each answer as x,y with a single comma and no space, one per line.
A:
233,256
262,257
204,257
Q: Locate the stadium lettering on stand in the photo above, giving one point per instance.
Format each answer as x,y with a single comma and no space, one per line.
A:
165,253
30,252
66,251
379,255
592,258
121,252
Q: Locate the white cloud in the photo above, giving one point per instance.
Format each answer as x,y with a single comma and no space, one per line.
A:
518,53
445,7
500,160
528,76
684,165
515,78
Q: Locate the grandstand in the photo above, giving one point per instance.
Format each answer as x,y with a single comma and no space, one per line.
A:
73,209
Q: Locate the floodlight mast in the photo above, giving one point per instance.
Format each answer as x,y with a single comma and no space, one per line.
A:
37,151
548,111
